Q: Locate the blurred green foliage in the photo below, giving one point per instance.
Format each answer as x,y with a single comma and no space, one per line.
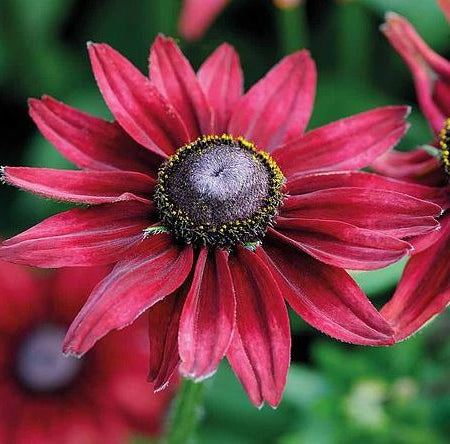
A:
336,393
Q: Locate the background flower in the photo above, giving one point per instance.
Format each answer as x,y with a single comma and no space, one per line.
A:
424,289
47,397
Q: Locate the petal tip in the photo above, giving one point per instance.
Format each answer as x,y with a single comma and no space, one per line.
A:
71,354
392,18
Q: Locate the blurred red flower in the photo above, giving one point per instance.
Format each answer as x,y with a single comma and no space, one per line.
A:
49,398
186,212
424,289
197,15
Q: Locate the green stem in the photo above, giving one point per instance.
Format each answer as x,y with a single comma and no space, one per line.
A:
292,28
354,42
187,412
164,15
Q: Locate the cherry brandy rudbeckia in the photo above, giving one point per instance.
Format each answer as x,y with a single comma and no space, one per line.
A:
424,289
185,190
49,398
431,72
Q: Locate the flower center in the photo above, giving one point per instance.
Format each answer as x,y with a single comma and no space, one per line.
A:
444,144
40,363
219,191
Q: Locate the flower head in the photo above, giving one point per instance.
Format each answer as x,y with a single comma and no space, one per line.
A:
47,397
215,207
424,289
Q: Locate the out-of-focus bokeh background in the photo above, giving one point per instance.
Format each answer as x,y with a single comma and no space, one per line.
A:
336,393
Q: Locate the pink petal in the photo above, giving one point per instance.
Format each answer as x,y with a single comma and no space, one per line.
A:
346,144
163,322
91,187
90,142
157,269
426,66
222,80
136,104
80,237
277,108
308,183
341,244
324,296
424,289
441,95
423,242
175,79
259,352
388,212
416,165
197,15
208,317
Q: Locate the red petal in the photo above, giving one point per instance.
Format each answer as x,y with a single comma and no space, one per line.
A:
277,108
23,299
424,289
163,323
388,212
136,103
80,237
416,165
174,77
222,80
343,245
324,296
208,317
90,142
260,349
346,144
158,268
308,183
426,66
91,187
197,15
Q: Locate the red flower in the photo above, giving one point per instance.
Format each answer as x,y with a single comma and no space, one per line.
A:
197,15
49,398
430,71
424,289
183,238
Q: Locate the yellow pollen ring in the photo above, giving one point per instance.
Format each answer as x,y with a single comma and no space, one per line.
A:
444,144
235,231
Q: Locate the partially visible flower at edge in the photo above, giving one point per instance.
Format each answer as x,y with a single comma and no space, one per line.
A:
197,15
47,397
424,289
445,6
210,235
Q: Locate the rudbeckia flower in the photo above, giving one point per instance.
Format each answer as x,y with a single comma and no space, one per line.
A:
49,398
424,289
215,208
197,15
431,72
